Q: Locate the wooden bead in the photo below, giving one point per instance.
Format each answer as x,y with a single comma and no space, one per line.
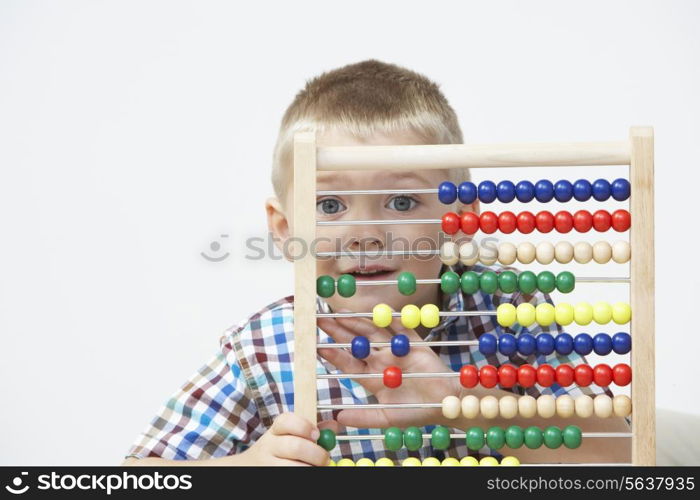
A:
544,252
488,254
546,406
527,406
584,406
470,406
565,406
449,253
563,252
583,252
526,252
489,407
622,406
507,252
603,406
469,253
621,252
451,407
508,406
602,252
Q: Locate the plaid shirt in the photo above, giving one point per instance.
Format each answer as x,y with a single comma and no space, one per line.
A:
234,398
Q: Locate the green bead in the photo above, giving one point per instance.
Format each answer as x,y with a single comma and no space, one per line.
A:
325,286
533,437
546,282
346,285
527,282
571,434
552,437
393,438
327,439
470,282
475,438
407,283
449,282
488,282
413,438
514,436
440,438
495,438
565,282
508,281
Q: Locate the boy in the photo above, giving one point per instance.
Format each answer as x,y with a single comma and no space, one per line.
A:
236,409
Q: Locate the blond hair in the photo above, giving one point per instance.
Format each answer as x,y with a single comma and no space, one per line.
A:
364,99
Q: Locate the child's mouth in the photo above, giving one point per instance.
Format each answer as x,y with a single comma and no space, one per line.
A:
372,275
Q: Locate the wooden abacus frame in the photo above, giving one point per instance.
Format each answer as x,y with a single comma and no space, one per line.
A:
637,152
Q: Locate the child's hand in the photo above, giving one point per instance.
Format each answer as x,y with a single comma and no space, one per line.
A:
416,390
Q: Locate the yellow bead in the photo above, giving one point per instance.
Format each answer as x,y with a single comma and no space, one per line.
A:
544,313
564,314
469,461
411,462
621,313
430,315
450,462
583,313
431,462
365,462
602,313
510,461
331,463
384,462
381,315
506,315
525,313
346,462
488,461
410,316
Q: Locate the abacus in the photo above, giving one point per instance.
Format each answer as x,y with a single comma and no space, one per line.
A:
636,153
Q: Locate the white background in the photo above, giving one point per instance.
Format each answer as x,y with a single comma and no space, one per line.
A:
133,134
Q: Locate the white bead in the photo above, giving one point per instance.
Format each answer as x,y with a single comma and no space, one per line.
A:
546,406
451,407
545,252
622,405
621,252
469,253
602,252
508,407
527,406
488,254
526,252
489,407
583,252
584,406
507,253
565,406
449,253
470,406
602,406
563,252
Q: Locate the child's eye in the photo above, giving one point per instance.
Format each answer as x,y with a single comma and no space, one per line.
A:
329,206
402,203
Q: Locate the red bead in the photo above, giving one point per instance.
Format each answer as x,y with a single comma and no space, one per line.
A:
450,223
470,222
468,376
544,221
507,222
392,377
507,376
583,221
602,375
488,222
565,375
621,220
545,375
488,376
563,222
527,376
602,221
583,375
622,374
526,222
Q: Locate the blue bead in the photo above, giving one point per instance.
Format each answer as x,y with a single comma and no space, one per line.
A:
524,191
600,190
602,344
527,344
400,345
582,190
487,344
563,191
583,344
505,191
360,347
487,191
545,343
621,343
620,189
544,191
564,344
507,344
467,193
447,193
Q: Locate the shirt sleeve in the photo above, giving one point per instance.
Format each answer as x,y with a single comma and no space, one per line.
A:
212,415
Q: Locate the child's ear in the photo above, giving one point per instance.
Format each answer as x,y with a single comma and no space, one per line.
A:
277,223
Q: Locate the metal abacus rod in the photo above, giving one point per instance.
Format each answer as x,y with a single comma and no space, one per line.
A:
461,435
592,279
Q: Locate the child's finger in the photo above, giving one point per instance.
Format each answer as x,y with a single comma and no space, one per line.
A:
365,327
366,419
291,423
342,360
329,424
295,448
335,331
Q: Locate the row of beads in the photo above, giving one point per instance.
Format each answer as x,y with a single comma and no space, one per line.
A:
583,313
545,253
545,406
427,462
544,191
526,282
526,222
